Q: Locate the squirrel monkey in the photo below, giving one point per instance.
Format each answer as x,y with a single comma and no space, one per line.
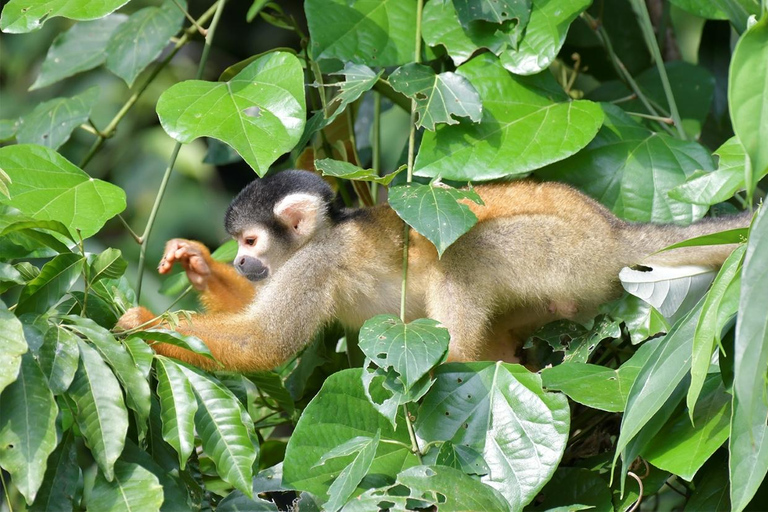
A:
538,250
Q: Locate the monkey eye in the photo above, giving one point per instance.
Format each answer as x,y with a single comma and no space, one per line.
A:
251,240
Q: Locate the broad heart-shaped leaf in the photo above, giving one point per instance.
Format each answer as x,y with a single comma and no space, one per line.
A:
434,211
349,171
55,279
749,432
226,438
60,480
409,349
47,186
501,411
495,11
370,32
596,386
12,346
338,413
26,15
439,98
27,427
137,42
260,112
747,100
58,358
708,188
522,129
101,413
177,407
633,169
544,36
133,489
718,304
78,49
51,123
349,478
575,489
681,447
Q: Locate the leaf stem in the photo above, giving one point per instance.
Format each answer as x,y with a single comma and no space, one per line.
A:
376,144
641,10
665,120
6,492
219,7
194,23
361,188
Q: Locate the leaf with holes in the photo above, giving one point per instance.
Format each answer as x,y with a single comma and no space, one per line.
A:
349,171
522,128
435,211
495,11
55,279
27,15
52,122
439,98
47,186
260,112
358,78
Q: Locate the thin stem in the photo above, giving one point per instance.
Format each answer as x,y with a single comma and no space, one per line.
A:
376,143
89,128
666,120
175,153
361,188
194,23
641,10
630,97
133,234
639,494
6,491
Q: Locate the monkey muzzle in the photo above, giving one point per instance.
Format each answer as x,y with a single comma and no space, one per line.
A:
252,268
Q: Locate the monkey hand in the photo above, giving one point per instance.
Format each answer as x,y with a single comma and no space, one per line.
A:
135,317
193,256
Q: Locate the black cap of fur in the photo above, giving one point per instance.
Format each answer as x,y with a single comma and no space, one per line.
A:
255,204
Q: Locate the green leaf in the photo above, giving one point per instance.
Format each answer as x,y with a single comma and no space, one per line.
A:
712,490
409,349
225,438
47,186
749,432
20,16
462,457
55,279
495,11
522,129
78,49
271,384
461,492
730,236
497,409
710,326
338,413
260,112
708,188
12,346
139,41
434,211
48,225
60,482
101,413
238,502
439,98
177,407
336,27
748,102
641,319
58,358
8,129
133,488
107,265
633,169
351,476
349,171
358,79
701,8
575,489
141,353
191,343
683,448
27,427
544,36
9,277
52,122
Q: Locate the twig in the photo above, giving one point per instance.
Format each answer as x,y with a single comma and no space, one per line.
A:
640,495
666,120
194,23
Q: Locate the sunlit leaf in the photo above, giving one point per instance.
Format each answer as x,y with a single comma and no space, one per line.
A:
55,279
12,346
27,15
107,265
133,489
177,407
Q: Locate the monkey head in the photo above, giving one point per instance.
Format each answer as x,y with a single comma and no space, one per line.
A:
272,217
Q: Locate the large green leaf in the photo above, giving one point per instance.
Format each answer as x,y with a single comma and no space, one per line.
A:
78,49
350,477
52,122
27,427
439,98
370,32
60,482
495,11
712,490
139,41
101,413
133,489
749,432
497,410
58,358
12,346
575,489
26,15
748,101
47,186
632,169
338,413
434,211
225,436
260,112
522,129
177,407
55,279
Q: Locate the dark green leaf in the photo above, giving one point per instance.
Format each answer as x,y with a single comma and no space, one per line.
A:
52,122
60,482
712,490
9,277
133,488
349,171
177,407
358,79
58,358
238,502
463,458
48,225
271,384
575,489
26,15
641,319
12,346
702,8
260,112
55,279
522,129
107,265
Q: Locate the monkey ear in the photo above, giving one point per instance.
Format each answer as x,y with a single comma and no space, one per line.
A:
302,213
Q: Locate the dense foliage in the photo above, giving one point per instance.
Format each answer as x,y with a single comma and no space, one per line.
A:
646,106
